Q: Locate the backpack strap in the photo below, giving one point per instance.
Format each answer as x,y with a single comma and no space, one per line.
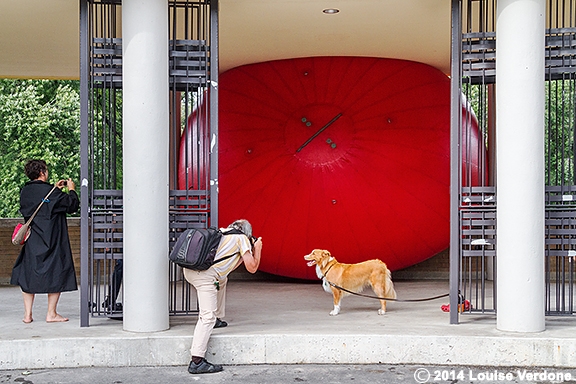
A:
225,258
236,231
231,231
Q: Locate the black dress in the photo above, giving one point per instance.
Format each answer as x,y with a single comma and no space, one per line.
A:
45,263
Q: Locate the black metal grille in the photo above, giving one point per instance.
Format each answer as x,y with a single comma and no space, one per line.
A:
478,258
560,190
101,92
477,204
189,64
107,252
477,194
479,57
560,265
190,204
107,61
478,248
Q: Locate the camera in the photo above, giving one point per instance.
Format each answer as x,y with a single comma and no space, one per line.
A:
65,183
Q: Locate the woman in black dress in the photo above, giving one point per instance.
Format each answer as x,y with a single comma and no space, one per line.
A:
45,263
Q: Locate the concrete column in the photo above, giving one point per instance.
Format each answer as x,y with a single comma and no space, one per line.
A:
520,28
145,179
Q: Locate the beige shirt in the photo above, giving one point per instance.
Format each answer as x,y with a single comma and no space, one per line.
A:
235,245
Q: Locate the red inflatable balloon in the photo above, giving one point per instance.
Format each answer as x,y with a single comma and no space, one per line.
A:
347,154
192,171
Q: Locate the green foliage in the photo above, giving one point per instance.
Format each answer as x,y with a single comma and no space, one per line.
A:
106,138
559,128
560,125
39,119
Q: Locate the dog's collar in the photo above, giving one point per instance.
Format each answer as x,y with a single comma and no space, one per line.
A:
330,267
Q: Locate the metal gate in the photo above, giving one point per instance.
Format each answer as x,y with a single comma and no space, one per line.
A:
192,68
474,47
473,249
560,153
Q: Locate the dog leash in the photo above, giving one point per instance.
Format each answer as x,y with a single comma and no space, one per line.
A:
380,298
387,298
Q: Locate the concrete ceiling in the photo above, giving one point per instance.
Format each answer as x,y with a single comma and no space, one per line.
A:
39,38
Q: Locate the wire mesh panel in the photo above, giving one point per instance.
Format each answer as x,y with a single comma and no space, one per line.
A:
190,159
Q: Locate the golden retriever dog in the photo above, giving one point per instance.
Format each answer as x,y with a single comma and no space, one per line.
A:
352,277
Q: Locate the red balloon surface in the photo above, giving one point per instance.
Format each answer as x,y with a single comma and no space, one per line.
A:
349,154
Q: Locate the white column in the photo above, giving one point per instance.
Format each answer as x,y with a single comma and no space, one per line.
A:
145,181
520,164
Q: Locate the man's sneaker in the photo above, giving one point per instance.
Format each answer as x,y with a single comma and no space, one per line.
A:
220,323
203,367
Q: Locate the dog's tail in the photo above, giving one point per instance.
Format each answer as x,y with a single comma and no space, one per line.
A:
390,291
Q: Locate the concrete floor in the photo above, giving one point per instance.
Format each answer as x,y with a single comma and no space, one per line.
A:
286,323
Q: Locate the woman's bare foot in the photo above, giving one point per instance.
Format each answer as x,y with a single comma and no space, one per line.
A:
56,319
27,319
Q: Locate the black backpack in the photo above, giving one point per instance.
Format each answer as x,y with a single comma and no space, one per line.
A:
196,248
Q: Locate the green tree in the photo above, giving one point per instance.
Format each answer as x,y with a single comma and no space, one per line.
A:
38,119
560,125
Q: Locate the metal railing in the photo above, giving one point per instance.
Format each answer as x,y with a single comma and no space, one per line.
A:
192,69
474,32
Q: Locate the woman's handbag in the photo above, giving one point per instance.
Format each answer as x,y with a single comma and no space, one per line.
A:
22,231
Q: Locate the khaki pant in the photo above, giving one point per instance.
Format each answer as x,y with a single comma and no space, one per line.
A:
211,304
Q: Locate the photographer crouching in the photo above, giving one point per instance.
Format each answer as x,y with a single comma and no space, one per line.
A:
211,287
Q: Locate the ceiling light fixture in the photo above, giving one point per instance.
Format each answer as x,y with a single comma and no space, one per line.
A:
331,11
